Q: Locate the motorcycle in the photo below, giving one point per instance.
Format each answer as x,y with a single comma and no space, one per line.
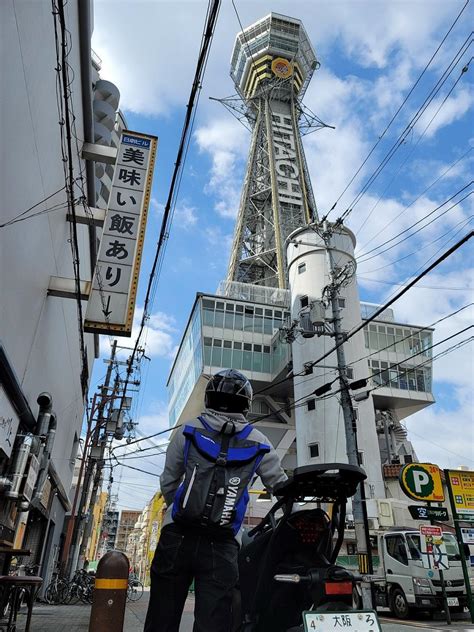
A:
287,563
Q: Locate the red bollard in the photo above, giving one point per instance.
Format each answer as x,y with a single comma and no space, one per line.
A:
110,593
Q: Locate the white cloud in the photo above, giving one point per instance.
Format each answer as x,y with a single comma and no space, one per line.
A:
159,333
185,215
155,72
445,437
158,336
135,487
157,207
453,109
226,141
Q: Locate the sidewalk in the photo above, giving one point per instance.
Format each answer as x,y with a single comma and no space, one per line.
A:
76,619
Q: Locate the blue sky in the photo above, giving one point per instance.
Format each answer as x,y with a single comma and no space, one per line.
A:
371,53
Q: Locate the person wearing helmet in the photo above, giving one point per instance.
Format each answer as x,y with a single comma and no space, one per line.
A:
210,463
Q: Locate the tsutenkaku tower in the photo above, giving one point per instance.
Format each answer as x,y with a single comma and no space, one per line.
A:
272,64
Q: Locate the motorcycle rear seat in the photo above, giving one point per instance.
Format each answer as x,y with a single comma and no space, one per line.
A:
327,482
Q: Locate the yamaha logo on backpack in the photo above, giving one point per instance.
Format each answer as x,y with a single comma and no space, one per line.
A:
230,500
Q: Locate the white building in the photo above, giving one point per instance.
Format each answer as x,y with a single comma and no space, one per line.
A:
40,343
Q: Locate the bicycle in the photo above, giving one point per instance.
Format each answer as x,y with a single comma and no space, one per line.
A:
57,590
80,588
135,589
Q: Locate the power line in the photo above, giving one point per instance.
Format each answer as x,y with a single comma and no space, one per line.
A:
409,128
390,302
384,228
243,32
62,67
379,311
462,456
399,109
334,394
211,18
463,223
16,218
364,257
421,287
428,327
403,163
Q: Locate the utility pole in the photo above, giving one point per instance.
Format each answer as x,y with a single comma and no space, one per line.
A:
97,479
100,442
359,508
74,526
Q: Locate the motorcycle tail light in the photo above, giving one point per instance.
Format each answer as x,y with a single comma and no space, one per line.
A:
338,588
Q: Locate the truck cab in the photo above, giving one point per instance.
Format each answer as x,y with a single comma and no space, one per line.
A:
403,583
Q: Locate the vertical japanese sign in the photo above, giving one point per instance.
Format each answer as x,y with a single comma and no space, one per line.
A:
114,288
461,484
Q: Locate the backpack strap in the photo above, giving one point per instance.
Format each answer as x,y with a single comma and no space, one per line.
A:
218,480
244,433
206,425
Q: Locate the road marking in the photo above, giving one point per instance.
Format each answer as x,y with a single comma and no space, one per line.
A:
415,624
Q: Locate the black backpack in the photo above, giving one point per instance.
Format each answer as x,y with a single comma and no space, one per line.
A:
219,468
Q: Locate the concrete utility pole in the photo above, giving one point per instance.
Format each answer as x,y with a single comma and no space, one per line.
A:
359,509
75,522
98,475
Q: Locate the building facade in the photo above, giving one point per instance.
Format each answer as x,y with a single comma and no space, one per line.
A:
128,518
143,539
97,518
46,258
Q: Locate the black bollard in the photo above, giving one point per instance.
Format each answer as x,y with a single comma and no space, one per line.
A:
110,593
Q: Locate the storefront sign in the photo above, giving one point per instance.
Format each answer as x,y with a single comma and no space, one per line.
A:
462,487
111,303
422,481
9,422
467,536
433,549
422,512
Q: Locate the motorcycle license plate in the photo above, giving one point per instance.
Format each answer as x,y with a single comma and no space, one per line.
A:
453,601
355,621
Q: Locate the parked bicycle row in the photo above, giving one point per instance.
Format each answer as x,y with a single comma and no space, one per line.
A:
81,589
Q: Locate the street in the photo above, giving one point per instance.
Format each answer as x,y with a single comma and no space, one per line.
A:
54,619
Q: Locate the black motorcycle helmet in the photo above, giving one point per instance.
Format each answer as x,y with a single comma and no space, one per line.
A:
229,391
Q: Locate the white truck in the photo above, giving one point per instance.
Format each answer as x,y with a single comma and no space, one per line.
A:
403,584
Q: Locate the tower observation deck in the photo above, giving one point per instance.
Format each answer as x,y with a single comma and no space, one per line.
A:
272,64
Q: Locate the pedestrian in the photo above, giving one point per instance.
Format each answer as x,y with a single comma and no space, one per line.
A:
210,463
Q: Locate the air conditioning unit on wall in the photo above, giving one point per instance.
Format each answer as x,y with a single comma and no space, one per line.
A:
385,512
373,523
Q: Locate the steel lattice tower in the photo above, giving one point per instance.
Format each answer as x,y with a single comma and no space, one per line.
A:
272,64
